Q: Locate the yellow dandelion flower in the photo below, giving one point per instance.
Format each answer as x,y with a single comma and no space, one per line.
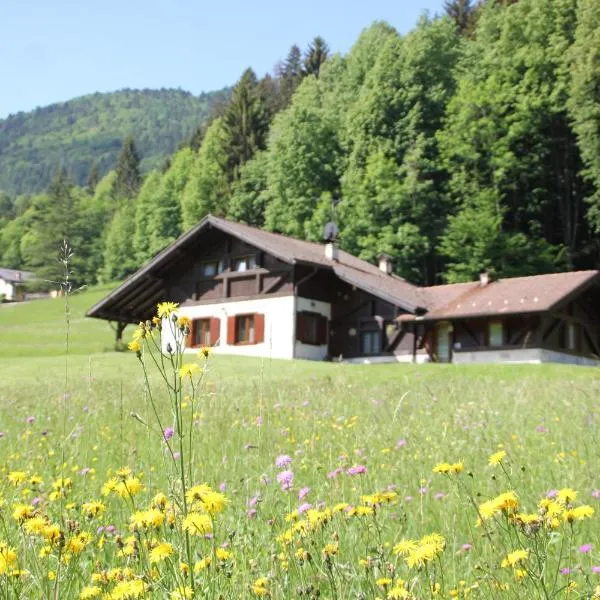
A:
162,551
8,557
566,496
398,592
578,514
35,525
92,509
197,524
77,544
443,468
261,586
202,564
330,550
146,519
223,554
189,370
135,346
404,547
22,512
183,322
17,477
205,351
165,309
383,582
496,458
126,590
514,558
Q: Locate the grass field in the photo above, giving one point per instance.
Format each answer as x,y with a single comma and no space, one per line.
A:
363,442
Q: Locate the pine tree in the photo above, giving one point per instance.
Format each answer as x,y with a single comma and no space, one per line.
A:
462,12
315,56
93,179
244,122
289,74
129,179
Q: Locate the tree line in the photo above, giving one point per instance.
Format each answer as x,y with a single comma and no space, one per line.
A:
470,143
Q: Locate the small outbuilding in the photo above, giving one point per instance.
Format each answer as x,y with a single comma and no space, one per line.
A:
12,284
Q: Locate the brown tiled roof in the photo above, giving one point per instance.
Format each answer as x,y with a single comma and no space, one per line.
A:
537,293
349,268
13,275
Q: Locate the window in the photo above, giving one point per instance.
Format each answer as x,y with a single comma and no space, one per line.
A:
496,333
212,268
204,332
201,333
244,329
244,263
311,328
370,342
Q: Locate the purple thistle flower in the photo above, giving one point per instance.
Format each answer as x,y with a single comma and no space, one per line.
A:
357,470
401,443
466,547
333,474
303,493
168,433
176,455
222,487
283,461
423,490
595,569
253,501
439,496
596,494
585,548
251,513
565,571
407,498
541,429
285,480
30,420
552,494
304,507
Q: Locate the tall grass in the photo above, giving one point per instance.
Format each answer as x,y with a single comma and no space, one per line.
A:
320,479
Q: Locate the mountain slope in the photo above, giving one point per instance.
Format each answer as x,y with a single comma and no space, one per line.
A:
90,129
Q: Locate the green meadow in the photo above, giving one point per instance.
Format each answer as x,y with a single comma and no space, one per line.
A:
321,476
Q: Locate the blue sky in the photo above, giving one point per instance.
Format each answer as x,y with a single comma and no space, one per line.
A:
54,50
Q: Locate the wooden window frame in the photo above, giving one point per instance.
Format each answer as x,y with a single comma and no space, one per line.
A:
233,329
316,320
247,258
210,327
250,323
370,332
219,268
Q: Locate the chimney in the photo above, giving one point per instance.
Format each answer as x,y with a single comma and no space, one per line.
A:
385,263
484,278
331,251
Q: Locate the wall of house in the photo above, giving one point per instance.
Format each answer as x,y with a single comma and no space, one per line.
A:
6,289
521,355
310,351
279,325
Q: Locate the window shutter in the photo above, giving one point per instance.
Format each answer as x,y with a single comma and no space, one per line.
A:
300,327
259,328
231,330
322,330
191,334
215,331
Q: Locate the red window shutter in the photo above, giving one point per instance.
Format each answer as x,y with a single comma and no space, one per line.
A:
215,331
191,334
259,328
322,330
231,330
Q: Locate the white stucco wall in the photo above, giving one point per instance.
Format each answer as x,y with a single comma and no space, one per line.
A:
6,289
395,358
521,355
279,325
310,351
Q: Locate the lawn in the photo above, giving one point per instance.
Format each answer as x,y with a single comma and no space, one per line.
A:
344,511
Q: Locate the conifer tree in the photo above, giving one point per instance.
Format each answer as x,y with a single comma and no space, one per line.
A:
129,179
461,12
93,179
316,55
244,122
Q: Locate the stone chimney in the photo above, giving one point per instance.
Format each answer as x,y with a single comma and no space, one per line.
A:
385,263
484,278
331,251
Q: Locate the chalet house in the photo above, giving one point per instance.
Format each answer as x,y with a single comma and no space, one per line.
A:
12,284
255,293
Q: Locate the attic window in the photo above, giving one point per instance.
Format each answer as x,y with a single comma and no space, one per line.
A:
244,263
211,268
496,333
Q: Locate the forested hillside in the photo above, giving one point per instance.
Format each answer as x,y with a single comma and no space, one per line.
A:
89,131
472,142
